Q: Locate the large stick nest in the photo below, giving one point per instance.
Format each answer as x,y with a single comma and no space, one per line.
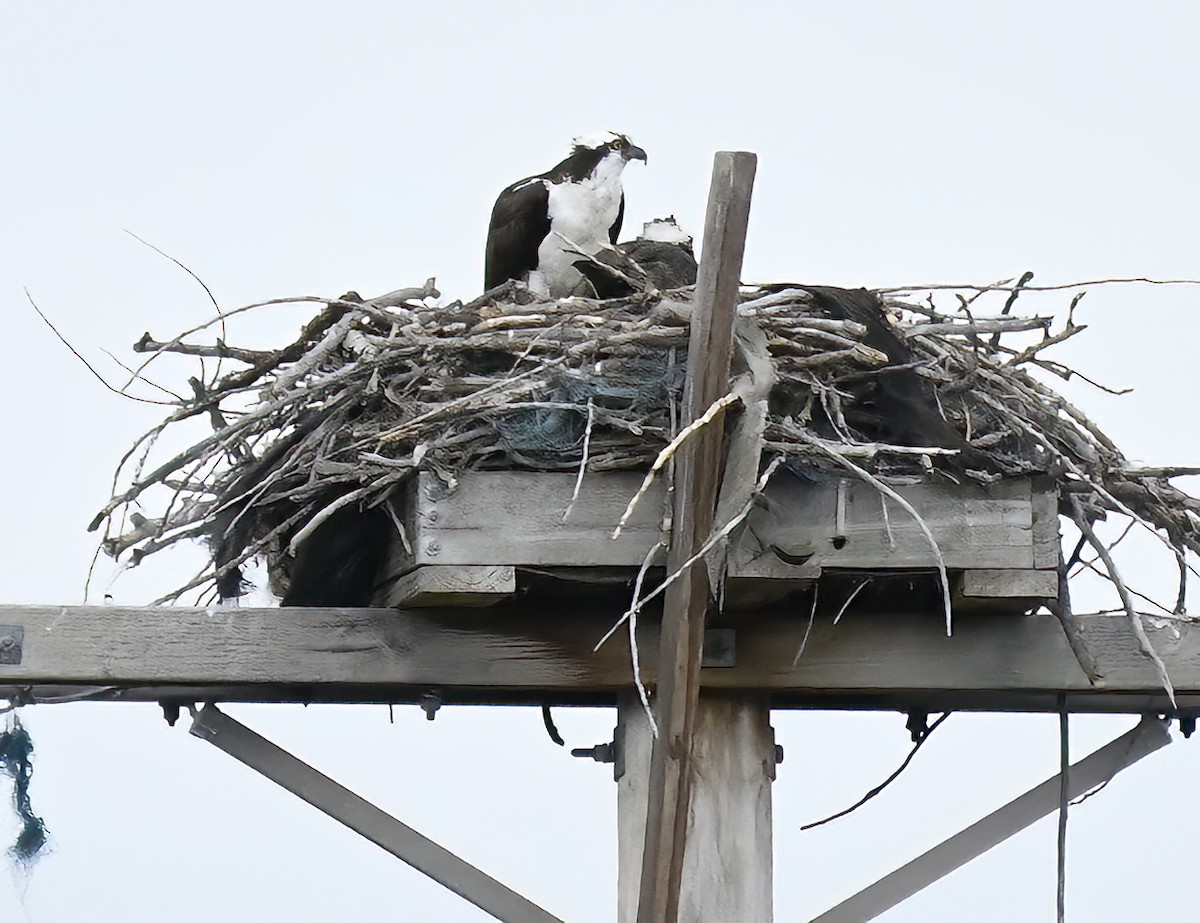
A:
372,391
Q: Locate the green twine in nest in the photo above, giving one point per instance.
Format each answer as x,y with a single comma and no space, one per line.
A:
16,759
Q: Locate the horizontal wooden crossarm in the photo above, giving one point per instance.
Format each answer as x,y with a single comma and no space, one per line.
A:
509,655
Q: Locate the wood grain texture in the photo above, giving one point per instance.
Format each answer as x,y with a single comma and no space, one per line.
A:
439,585
535,654
1016,584
1004,525
1046,538
516,517
974,525
696,467
727,860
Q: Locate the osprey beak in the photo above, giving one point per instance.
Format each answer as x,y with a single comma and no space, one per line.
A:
633,152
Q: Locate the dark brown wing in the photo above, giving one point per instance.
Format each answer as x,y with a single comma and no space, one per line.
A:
520,222
666,265
615,231
905,403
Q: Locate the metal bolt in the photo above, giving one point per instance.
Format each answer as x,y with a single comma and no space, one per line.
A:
430,702
601,753
12,639
917,725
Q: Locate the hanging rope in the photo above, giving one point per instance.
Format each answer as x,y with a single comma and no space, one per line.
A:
1064,796
16,760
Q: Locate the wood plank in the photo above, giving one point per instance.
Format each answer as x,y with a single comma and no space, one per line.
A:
727,858
528,654
1047,540
1009,584
461,527
976,526
696,468
437,585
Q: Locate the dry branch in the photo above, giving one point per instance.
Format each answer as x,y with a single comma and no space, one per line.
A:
371,391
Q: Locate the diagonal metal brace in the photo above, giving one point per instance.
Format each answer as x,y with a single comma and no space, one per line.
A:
1149,735
362,817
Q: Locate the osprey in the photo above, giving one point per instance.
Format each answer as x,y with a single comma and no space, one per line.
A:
660,257
541,225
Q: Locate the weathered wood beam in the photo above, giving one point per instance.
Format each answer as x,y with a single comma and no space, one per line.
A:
696,480
364,818
728,851
464,585
1083,776
1009,525
513,653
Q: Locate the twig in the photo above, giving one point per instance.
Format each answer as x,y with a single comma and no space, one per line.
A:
970,287
715,408
157,387
100,378
1135,621
147,344
1012,299
583,461
812,614
849,599
200,282
716,538
643,697
1029,353
904,504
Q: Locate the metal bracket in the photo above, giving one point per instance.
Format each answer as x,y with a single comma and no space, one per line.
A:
771,763
612,752
12,644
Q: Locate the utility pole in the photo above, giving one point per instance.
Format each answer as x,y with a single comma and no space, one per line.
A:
703,742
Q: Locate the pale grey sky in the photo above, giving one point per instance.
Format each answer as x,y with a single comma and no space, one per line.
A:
295,149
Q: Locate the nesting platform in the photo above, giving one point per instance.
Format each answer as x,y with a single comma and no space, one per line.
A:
473,544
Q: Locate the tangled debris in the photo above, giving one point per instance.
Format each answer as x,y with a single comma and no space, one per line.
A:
372,391
16,761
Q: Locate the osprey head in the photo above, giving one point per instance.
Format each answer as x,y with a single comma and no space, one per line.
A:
605,141
667,231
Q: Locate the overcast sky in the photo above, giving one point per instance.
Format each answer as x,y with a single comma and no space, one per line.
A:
287,149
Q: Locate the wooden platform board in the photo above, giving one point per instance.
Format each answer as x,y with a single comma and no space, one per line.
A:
1001,540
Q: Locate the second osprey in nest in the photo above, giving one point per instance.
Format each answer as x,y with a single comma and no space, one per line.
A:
541,225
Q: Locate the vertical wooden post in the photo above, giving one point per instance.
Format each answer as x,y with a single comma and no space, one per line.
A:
727,860
697,478
634,738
